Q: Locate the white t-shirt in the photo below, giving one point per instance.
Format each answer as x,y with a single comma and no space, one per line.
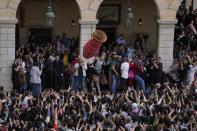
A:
191,74
35,75
125,70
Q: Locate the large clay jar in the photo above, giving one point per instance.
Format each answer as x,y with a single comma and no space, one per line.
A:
92,47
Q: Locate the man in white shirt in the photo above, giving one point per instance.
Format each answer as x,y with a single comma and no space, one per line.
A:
80,75
124,73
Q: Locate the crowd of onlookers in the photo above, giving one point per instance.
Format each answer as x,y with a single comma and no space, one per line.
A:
124,88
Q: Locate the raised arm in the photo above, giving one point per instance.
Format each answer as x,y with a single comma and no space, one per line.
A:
160,100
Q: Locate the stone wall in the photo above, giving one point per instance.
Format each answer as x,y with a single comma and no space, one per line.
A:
7,52
88,10
149,22
188,3
195,4
166,42
34,17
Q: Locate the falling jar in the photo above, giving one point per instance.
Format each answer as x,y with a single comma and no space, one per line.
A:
92,47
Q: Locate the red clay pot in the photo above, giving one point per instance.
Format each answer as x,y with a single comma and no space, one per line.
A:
92,47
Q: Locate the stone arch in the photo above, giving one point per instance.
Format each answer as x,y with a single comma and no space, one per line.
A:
166,9
157,8
13,4
32,13
89,8
8,8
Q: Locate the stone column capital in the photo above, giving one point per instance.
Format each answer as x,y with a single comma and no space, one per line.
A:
167,23
88,22
8,23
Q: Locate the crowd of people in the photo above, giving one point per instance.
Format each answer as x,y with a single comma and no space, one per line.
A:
123,89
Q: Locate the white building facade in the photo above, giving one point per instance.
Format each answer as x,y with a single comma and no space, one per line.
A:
166,10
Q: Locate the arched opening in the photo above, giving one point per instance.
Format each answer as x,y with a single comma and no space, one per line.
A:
31,15
142,23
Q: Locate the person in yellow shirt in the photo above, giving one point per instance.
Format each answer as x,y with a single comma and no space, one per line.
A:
65,59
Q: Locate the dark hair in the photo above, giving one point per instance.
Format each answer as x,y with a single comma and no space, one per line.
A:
1,88
36,64
138,128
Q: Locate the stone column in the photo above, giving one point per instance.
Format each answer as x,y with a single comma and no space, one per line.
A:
87,28
166,42
7,52
188,3
194,4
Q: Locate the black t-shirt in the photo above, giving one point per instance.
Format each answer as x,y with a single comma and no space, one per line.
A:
80,71
92,71
183,73
154,73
